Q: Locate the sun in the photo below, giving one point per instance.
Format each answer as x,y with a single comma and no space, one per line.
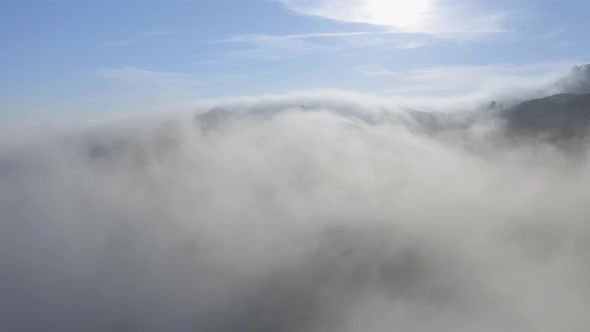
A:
404,15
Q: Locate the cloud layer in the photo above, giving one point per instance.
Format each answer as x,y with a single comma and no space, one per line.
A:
448,19
321,213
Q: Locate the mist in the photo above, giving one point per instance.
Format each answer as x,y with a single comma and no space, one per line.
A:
331,212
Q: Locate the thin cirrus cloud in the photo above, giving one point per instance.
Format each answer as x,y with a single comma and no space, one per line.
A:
148,82
134,75
299,36
392,24
139,38
274,47
434,17
485,81
355,37
129,89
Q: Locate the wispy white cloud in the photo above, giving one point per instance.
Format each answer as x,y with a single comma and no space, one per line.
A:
411,44
139,88
553,37
273,47
162,32
563,44
552,34
280,48
139,38
135,75
478,81
206,62
121,42
374,70
445,19
267,37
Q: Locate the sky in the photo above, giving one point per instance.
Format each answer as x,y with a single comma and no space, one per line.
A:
295,194
87,57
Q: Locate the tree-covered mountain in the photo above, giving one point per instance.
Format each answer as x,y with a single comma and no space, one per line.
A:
559,116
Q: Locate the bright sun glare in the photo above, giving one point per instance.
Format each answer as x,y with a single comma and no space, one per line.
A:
405,15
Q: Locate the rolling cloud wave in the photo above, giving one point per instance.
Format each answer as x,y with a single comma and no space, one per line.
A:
322,214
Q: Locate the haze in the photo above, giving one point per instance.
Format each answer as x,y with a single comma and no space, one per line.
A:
294,166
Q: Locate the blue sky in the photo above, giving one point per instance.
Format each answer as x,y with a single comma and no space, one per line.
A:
91,56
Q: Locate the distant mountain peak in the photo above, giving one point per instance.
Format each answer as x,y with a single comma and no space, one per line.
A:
581,69
577,81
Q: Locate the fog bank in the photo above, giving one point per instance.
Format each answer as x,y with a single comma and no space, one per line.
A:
309,214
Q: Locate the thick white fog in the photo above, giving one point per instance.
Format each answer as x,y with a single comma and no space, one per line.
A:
295,214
